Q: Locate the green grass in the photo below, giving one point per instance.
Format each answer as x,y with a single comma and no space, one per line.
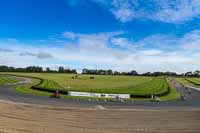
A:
84,81
7,80
50,84
27,89
183,81
139,85
155,86
196,81
173,95
146,86
186,81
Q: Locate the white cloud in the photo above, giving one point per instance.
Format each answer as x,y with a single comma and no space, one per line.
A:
191,41
123,42
151,52
169,11
39,55
5,50
97,51
124,14
178,10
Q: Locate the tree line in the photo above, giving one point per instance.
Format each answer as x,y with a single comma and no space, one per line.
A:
108,72
36,69
135,73
192,74
131,73
61,69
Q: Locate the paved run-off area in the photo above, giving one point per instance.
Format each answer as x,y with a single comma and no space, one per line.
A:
24,118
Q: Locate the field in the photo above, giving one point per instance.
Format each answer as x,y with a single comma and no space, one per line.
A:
137,85
84,82
7,80
189,81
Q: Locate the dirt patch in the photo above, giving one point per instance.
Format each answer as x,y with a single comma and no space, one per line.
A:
24,118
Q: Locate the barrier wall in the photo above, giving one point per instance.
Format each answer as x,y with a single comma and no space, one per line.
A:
102,95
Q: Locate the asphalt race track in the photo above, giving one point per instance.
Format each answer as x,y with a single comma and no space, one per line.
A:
191,99
22,113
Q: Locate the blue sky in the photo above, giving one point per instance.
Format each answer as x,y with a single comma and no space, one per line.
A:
124,35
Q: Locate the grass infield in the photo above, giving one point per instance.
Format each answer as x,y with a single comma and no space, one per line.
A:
137,85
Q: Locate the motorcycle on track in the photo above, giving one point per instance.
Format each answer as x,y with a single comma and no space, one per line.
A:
56,94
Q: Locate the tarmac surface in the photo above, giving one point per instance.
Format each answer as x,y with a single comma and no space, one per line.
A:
31,118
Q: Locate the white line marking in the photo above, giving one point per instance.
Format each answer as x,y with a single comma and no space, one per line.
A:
99,107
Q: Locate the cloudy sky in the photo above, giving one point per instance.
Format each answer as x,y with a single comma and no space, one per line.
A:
123,35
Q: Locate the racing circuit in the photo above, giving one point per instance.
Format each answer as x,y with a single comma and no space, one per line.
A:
192,99
25,113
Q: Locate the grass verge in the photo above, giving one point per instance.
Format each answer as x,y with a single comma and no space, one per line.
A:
172,95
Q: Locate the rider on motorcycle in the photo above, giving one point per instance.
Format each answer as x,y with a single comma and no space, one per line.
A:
56,93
